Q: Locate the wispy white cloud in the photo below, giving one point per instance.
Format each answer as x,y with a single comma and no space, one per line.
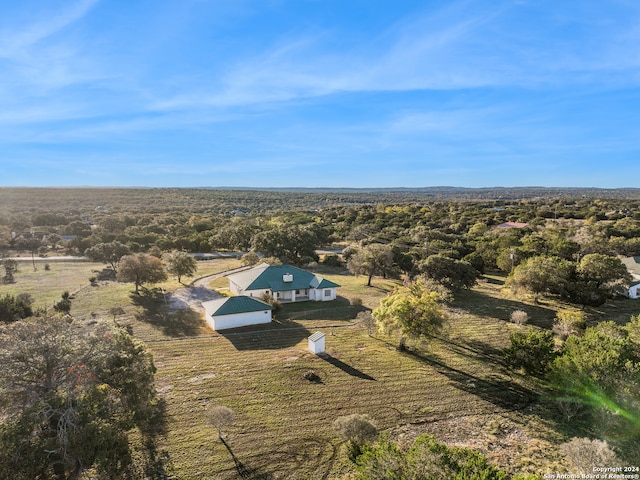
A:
19,39
464,45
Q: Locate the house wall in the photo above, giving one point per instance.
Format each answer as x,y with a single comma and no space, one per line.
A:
322,294
238,319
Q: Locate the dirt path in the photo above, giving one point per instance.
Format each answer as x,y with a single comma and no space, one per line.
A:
197,291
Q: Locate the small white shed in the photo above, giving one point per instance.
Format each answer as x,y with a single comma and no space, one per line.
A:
634,290
316,343
234,312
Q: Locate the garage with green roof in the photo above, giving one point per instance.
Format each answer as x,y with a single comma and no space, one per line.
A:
233,312
285,283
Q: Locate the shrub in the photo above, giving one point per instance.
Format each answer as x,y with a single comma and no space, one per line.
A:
585,454
569,322
64,305
250,258
356,302
519,317
13,308
531,351
332,260
356,429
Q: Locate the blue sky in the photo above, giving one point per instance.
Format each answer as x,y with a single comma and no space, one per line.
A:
320,93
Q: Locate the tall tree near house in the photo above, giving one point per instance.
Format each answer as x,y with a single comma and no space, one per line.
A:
292,242
413,310
109,253
141,268
603,270
180,264
371,260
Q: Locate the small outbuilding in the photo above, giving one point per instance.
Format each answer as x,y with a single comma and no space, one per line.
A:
233,312
634,290
316,343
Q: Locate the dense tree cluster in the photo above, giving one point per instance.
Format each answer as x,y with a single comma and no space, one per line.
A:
566,246
69,399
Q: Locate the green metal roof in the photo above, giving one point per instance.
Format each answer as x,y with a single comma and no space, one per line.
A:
239,304
274,278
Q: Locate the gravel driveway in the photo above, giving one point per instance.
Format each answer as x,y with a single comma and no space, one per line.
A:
197,292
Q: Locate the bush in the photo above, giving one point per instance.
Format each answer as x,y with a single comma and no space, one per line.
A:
426,458
531,351
250,258
356,429
356,302
64,305
569,322
585,454
332,260
519,317
13,308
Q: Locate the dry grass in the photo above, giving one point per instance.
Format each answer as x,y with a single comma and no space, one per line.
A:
46,286
454,386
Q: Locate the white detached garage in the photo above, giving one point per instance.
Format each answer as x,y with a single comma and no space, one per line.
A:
233,312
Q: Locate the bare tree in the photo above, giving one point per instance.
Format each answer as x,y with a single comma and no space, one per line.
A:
585,454
220,417
519,317
116,311
367,321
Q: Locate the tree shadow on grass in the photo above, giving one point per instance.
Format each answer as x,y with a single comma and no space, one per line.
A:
272,336
354,372
485,306
172,322
243,470
156,460
476,350
496,388
338,309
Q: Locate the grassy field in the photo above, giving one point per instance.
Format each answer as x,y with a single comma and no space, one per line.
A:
454,386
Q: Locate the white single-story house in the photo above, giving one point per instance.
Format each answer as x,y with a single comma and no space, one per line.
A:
634,290
233,312
284,282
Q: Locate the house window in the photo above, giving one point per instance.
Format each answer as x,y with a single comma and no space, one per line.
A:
327,293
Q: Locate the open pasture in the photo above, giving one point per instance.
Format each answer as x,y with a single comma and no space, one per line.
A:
453,386
284,422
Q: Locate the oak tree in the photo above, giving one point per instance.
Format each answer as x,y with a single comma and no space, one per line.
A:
180,264
141,268
413,310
